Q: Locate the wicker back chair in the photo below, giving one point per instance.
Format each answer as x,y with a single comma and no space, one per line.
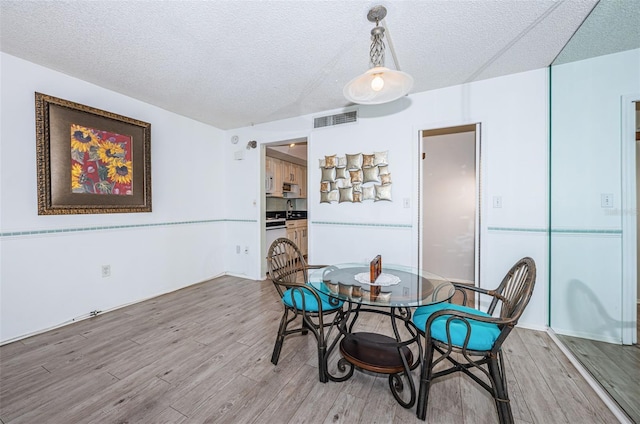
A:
289,273
476,336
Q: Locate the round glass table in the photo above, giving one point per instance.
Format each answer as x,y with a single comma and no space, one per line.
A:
394,293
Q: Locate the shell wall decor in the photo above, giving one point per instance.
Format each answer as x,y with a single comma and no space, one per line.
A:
355,178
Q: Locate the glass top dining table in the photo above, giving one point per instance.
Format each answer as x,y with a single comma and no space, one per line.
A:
395,292
397,286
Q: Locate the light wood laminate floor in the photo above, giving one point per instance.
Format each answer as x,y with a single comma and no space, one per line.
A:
202,354
616,367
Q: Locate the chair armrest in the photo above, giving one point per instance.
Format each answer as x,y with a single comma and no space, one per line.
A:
463,287
465,315
459,286
316,266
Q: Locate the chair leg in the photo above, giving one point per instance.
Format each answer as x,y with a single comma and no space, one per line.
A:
276,352
318,332
501,397
425,382
280,338
322,363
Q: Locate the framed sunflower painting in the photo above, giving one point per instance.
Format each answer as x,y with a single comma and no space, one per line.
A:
89,160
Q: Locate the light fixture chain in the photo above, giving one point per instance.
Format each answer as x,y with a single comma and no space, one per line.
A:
376,52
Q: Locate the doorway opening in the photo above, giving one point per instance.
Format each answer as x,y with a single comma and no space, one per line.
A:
285,194
449,238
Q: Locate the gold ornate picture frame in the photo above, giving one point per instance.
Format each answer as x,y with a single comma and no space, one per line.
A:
90,161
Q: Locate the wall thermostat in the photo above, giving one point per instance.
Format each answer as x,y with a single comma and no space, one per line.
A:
235,139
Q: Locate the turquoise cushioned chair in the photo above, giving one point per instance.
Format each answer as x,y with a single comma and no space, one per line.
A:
288,271
478,336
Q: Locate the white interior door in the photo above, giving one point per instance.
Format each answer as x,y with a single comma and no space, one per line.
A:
449,203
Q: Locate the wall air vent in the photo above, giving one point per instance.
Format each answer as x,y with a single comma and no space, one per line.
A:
331,120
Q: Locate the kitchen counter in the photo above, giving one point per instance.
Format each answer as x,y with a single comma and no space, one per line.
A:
293,215
289,215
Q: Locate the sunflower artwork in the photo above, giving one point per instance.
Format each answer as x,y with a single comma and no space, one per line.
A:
100,162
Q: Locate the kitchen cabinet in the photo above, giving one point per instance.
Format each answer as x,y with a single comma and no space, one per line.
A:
270,164
303,183
274,170
299,177
289,172
291,234
297,233
293,173
300,171
304,239
285,172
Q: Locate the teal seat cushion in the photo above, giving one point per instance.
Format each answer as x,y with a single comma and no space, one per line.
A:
310,301
483,334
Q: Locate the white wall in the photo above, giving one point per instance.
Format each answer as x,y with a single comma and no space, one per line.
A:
586,247
208,203
51,278
513,111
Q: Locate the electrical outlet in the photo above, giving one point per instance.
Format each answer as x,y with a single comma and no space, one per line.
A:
606,200
106,271
406,203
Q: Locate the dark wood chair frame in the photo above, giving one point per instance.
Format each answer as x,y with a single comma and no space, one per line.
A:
285,263
513,295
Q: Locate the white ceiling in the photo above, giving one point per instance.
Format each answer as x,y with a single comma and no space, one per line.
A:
612,26
234,63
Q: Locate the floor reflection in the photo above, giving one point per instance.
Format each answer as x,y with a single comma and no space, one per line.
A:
616,367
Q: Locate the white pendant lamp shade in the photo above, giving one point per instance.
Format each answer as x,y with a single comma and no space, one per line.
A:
378,85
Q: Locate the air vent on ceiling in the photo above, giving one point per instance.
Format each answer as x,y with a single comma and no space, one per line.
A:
341,118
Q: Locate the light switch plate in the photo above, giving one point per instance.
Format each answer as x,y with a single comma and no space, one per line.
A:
606,200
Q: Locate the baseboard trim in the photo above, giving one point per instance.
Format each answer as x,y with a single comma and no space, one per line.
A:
534,327
602,393
89,315
240,275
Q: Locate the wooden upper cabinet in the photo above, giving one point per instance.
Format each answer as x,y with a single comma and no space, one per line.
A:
285,172
303,182
300,170
288,174
273,168
291,172
270,165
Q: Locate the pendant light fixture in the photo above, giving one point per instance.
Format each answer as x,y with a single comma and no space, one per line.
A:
379,84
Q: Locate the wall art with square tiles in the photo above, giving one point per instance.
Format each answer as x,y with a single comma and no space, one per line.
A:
355,178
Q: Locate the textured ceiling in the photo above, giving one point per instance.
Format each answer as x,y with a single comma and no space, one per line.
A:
234,63
613,26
